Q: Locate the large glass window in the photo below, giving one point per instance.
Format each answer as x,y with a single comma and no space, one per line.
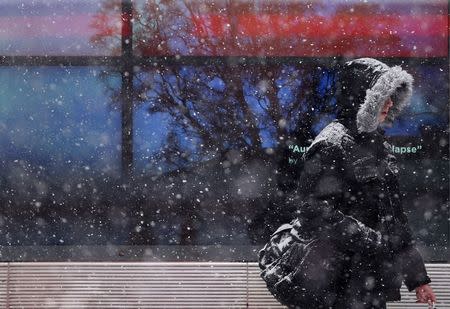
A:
182,141
60,141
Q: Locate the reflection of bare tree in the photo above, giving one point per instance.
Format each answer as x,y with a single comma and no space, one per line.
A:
107,24
223,105
262,28
221,118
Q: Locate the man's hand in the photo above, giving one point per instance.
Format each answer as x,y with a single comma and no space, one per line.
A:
425,294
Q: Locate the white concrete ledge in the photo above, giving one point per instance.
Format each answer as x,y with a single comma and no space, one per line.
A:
157,285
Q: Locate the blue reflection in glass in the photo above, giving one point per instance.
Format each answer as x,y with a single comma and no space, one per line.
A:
58,118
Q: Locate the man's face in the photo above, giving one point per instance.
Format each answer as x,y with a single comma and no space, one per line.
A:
385,109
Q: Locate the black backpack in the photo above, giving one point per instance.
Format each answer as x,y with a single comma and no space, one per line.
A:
300,270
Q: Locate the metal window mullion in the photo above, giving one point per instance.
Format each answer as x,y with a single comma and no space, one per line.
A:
130,59
127,89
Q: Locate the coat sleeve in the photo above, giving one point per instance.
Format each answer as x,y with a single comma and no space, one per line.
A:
413,268
320,189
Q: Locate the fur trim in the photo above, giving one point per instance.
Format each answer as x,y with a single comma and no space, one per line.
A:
395,82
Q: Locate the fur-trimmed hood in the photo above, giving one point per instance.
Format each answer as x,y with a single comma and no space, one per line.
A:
364,85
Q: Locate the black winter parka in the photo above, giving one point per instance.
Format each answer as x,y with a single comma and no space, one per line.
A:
349,186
